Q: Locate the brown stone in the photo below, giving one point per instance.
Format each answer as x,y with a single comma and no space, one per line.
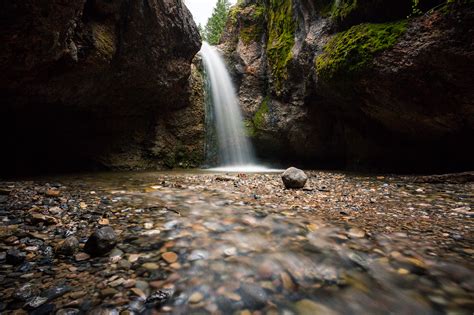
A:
170,257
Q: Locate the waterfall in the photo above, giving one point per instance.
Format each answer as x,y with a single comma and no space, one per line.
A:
235,150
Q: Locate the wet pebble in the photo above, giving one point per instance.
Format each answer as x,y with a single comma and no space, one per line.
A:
308,307
230,251
356,233
68,311
253,296
69,246
198,255
138,292
150,266
25,292
14,256
195,298
107,292
81,257
159,298
44,310
101,241
169,257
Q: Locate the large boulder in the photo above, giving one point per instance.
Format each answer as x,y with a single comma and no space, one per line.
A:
294,178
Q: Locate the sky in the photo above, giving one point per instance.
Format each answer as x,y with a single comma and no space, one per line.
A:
202,9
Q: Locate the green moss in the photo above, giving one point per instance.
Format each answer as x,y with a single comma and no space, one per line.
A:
251,33
250,130
258,12
254,126
234,13
349,52
259,117
254,31
281,29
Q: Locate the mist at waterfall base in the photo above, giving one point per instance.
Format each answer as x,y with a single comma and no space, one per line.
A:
235,152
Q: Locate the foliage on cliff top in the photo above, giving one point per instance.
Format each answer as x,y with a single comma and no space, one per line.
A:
281,29
351,51
216,23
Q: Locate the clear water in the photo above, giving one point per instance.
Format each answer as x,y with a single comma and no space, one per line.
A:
247,245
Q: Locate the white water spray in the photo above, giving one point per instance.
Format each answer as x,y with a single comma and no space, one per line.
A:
235,150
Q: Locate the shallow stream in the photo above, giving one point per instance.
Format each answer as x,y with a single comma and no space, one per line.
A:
207,243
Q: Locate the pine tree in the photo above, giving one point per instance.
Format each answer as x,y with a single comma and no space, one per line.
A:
201,30
216,23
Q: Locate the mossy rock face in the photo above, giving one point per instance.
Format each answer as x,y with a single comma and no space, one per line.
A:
259,121
252,23
249,20
260,115
249,128
351,51
281,38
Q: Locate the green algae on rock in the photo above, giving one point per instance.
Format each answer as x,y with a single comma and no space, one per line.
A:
351,51
259,117
281,31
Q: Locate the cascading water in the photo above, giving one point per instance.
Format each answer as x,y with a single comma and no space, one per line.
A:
235,150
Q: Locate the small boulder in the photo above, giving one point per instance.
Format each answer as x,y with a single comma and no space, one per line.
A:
69,246
102,241
294,178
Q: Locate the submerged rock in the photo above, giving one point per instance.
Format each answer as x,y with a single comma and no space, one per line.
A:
15,257
294,178
308,307
159,298
25,292
69,246
102,241
37,218
253,296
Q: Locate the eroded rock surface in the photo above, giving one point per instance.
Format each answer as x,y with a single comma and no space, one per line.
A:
98,83
394,97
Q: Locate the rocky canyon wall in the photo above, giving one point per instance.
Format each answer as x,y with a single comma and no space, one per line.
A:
377,85
96,83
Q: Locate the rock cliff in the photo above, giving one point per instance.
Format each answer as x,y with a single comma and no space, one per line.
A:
99,83
359,84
